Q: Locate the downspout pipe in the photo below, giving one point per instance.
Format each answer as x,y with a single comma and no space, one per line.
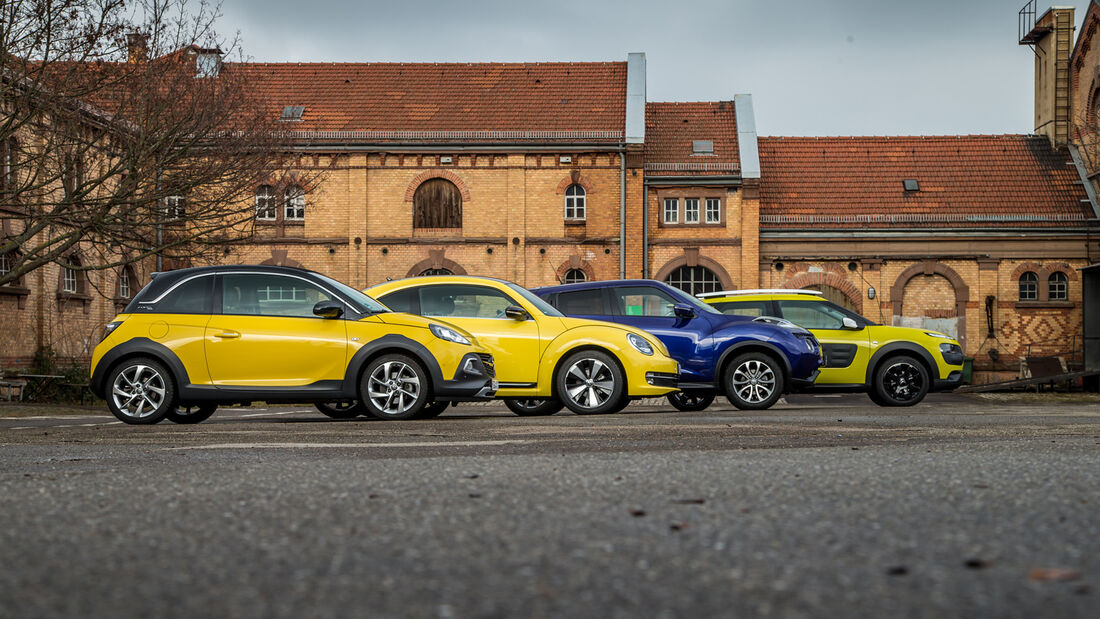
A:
645,228
622,212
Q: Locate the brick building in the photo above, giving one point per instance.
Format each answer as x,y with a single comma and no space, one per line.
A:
547,172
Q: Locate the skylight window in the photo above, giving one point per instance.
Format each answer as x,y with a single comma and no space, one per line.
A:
911,184
293,112
702,147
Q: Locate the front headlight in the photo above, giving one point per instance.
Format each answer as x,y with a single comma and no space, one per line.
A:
939,335
640,344
449,334
109,329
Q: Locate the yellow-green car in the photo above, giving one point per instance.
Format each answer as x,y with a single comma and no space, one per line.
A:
543,358
896,366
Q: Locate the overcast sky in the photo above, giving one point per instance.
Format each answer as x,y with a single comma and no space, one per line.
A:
813,67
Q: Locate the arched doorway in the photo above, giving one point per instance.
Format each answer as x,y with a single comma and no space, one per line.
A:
836,295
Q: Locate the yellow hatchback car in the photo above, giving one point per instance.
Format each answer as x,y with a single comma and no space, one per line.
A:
196,338
896,366
544,359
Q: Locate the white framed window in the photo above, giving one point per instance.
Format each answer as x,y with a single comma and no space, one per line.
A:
69,279
714,211
175,206
672,211
1029,286
265,203
575,203
1058,286
5,264
691,210
295,204
124,286
575,276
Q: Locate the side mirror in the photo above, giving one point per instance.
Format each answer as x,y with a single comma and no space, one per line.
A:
850,324
328,309
516,312
683,311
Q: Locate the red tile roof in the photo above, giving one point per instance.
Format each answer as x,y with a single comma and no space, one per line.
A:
670,129
423,101
966,180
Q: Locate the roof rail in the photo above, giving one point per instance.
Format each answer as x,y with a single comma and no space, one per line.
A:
734,293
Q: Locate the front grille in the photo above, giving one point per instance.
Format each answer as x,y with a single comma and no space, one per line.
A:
487,361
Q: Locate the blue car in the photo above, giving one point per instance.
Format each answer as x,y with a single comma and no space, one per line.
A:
753,361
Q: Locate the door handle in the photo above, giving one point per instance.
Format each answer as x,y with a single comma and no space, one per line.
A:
227,334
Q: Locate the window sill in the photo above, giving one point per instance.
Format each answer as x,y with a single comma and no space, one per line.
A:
20,293
1044,304
74,297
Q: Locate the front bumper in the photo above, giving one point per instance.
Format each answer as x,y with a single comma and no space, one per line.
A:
953,381
656,377
474,380
806,382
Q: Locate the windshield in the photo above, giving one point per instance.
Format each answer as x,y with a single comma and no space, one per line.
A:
372,306
534,299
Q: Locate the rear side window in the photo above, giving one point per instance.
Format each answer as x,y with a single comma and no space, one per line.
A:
744,308
588,302
191,297
406,300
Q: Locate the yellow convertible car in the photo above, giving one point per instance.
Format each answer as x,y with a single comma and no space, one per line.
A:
543,359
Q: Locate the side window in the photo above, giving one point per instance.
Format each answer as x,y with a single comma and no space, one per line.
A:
190,297
587,302
463,301
406,300
256,294
642,301
812,315
744,308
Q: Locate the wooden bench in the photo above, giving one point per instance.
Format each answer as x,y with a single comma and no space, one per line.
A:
10,389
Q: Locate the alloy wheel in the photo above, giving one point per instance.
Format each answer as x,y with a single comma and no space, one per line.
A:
589,383
138,391
754,381
394,387
902,381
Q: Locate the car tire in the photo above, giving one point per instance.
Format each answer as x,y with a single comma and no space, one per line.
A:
900,381
191,414
753,381
432,410
140,391
394,386
534,407
875,398
689,401
341,410
591,382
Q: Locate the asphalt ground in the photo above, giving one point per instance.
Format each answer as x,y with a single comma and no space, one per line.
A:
821,506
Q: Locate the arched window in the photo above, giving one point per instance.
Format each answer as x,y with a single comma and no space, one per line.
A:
694,280
295,204
436,272
1029,286
437,203
72,278
1058,286
574,276
575,203
127,283
265,203
9,160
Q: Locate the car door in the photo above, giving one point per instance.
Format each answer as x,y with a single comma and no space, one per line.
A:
847,351
480,310
264,333
651,309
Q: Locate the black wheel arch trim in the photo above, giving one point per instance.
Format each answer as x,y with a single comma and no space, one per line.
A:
727,354
907,348
138,346
391,342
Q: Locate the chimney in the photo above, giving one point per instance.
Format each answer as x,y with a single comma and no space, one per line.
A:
137,47
1050,36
